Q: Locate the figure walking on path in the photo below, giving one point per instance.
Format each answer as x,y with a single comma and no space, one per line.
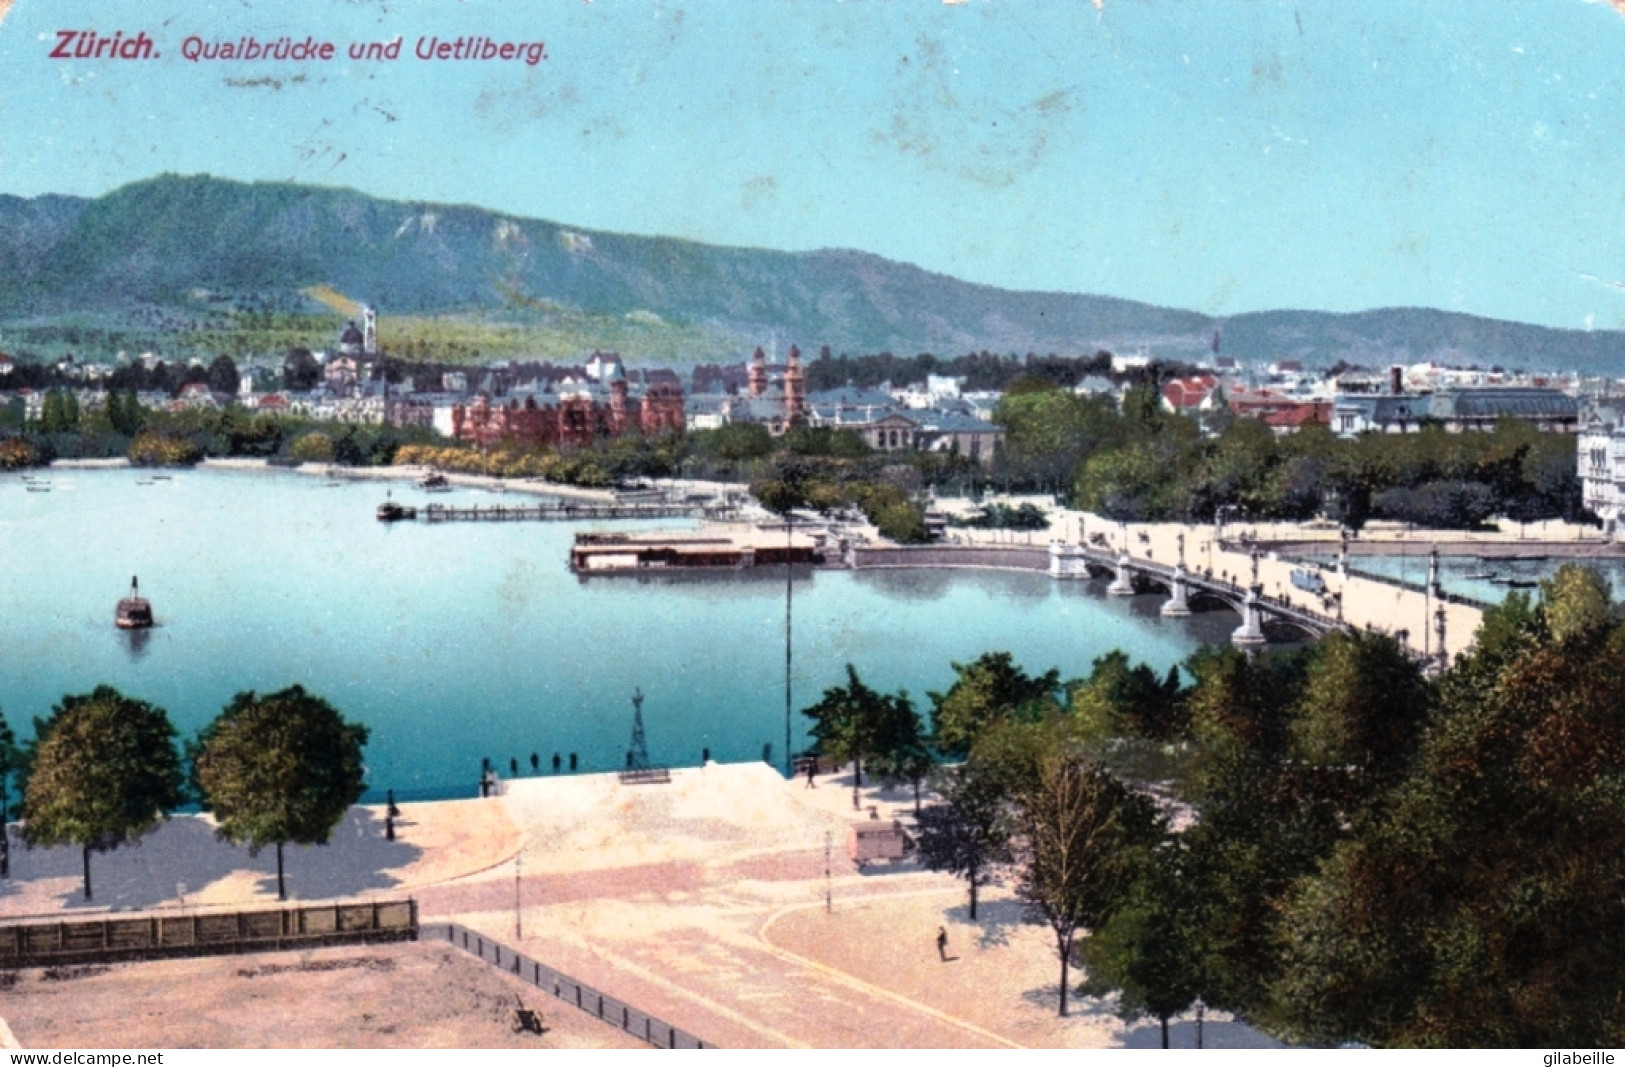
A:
812,768
942,943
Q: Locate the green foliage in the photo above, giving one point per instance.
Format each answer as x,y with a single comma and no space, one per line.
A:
1134,701
103,771
1085,835
735,442
60,413
1483,907
987,690
279,768
154,449
1048,432
967,832
1149,952
17,454
894,516
223,377
313,447
1575,601
854,723
1004,517
124,413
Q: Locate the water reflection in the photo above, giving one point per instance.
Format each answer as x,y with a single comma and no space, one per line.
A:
135,643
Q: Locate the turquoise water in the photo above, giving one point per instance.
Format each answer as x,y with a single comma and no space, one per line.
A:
1464,575
460,641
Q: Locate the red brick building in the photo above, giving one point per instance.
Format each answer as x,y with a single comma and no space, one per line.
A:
574,414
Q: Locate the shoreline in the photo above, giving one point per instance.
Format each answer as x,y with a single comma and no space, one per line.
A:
411,473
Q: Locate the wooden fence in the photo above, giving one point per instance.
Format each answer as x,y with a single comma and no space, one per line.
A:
155,936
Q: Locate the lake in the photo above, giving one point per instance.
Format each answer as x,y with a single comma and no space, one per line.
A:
459,641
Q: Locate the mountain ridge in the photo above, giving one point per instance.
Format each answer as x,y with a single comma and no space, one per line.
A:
158,242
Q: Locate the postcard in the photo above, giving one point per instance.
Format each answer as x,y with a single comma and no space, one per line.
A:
626,523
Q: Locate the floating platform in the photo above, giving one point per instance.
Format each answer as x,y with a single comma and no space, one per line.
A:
710,548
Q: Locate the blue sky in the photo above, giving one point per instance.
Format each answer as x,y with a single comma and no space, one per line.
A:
1220,156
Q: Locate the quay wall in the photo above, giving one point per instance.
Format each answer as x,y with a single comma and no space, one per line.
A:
987,557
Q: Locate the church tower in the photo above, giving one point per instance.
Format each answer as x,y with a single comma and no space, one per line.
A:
795,390
757,376
369,332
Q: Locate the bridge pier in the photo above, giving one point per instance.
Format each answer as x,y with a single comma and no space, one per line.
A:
1250,634
1067,561
1177,605
1123,584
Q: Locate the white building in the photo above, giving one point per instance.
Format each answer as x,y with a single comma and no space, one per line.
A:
1601,455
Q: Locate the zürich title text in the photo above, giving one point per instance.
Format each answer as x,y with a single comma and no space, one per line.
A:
92,44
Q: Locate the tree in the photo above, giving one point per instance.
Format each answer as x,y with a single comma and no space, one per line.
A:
10,757
103,772
124,413
313,447
967,833
300,371
987,690
1149,952
1482,905
277,769
223,376
900,752
1083,832
853,722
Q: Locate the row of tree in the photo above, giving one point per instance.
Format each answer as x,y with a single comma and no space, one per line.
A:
1357,852
103,770
123,428
1143,464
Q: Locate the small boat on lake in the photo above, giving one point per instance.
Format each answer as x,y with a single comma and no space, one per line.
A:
434,482
1482,576
134,612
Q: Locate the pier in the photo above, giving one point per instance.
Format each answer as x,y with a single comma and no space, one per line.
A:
544,512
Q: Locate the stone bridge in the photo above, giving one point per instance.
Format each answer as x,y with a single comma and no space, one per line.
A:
1433,625
1183,586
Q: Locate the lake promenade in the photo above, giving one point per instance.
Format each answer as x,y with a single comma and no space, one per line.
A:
722,902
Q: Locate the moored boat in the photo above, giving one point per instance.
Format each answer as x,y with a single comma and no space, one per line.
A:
134,612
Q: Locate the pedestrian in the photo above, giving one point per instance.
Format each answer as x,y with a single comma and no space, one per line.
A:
389,795
555,763
942,943
513,766
389,827
572,761
535,763
812,768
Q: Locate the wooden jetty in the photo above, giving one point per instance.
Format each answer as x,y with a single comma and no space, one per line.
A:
541,512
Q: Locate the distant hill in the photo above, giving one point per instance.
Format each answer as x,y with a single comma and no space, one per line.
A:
200,256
